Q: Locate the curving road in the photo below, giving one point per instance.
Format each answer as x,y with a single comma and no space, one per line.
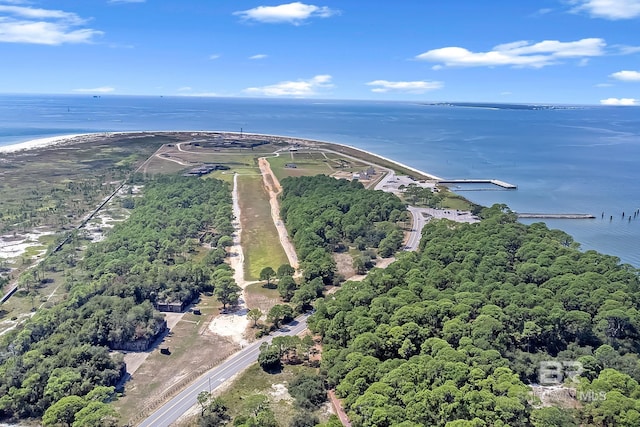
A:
176,407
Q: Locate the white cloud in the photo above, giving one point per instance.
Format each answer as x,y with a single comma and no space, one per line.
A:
626,50
603,85
32,13
626,76
420,86
506,93
214,56
541,12
292,13
185,89
518,54
22,24
259,56
619,101
609,9
298,88
101,89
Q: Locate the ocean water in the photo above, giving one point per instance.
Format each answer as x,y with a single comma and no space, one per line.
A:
577,160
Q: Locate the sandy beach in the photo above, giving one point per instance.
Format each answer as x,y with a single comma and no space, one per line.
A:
71,139
46,142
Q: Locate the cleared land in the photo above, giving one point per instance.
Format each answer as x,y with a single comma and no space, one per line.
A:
255,381
259,239
260,297
303,163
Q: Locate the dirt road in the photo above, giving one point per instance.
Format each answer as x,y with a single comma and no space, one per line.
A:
272,185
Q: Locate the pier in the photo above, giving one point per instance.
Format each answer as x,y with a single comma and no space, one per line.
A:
555,216
497,182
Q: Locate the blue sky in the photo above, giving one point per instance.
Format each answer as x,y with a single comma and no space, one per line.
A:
538,51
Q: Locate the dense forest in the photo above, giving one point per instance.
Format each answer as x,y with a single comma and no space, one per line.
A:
61,355
324,215
453,335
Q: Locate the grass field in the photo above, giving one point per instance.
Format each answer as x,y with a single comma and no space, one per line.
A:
313,163
454,201
303,167
260,241
260,297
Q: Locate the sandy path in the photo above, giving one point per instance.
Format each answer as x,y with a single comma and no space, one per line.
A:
272,185
337,405
234,323
237,255
180,162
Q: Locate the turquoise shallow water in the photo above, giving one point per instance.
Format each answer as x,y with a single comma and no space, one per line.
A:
582,160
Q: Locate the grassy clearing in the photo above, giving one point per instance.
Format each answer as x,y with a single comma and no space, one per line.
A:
454,201
260,297
260,241
21,303
304,167
313,164
256,381
261,290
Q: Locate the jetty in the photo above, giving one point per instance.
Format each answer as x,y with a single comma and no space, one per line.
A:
555,216
497,182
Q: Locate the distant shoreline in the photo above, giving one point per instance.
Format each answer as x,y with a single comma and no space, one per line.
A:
52,142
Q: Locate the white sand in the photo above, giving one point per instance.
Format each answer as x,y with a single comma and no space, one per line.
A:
13,247
43,142
66,139
280,392
235,323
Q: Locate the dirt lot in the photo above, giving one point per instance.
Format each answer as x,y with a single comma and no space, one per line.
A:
344,264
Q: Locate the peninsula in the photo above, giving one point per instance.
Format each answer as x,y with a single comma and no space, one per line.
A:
150,270
64,195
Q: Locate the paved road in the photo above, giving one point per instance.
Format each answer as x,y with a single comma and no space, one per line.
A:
416,230
176,407
422,215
